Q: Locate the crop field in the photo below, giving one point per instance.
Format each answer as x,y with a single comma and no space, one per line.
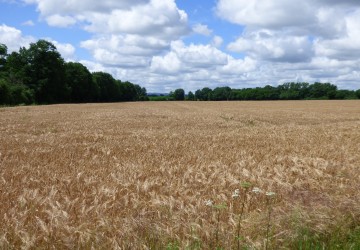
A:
181,175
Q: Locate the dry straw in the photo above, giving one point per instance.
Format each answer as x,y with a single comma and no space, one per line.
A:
136,175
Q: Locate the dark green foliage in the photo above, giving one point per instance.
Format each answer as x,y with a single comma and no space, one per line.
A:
41,69
322,91
46,70
40,75
190,96
14,94
179,95
357,92
128,91
82,87
141,93
203,95
286,91
111,90
222,93
3,55
108,88
293,91
307,239
345,95
4,92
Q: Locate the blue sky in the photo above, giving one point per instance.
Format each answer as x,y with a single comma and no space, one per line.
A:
168,44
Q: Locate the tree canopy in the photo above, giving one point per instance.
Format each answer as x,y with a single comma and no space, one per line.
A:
39,74
286,91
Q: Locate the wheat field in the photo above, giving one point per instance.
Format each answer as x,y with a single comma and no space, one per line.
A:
139,175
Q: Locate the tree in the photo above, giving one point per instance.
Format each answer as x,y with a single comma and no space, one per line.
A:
4,92
79,79
40,68
293,91
322,91
190,96
204,95
108,88
128,91
345,95
47,72
222,94
358,93
179,95
3,56
270,93
141,93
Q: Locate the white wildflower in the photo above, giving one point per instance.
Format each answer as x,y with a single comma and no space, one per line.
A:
236,193
256,190
209,203
270,194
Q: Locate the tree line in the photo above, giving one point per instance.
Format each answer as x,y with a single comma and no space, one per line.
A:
39,75
286,91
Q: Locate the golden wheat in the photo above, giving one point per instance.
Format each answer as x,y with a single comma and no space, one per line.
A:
137,175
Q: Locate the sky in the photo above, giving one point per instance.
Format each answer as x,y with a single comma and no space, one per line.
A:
168,44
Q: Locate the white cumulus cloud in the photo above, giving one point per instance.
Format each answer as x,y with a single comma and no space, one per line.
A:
272,46
202,29
60,21
149,41
13,38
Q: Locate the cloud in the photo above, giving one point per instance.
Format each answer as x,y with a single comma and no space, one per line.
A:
66,50
346,47
217,41
272,46
156,18
13,38
266,14
310,40
143,41
125,50
202,29
60,21
70,7
28,23
168,64
320,18
188,58
235,67
200,65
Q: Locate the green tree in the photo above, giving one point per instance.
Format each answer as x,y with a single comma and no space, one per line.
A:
204,95
3,56
270,93
4,92
47,72
293,91
13,94
108,88
222,94
40,68
141,93
179,95
345,94
322,91
128,91
190,96
79,79
357,92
